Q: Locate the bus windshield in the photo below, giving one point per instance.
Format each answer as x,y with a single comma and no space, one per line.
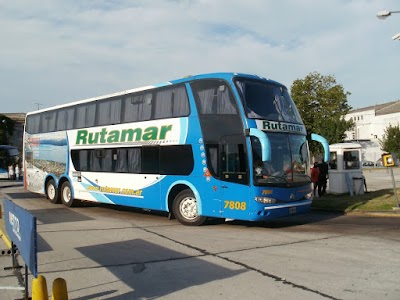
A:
267,100
289,164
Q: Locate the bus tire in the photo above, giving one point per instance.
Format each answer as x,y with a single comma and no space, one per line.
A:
185,209
66,195
51,192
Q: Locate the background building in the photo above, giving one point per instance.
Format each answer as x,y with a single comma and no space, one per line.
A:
19,121
370,124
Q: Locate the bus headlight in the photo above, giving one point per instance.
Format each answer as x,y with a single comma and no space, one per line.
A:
309,195
265,200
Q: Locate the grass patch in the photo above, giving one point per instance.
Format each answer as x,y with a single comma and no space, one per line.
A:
382,200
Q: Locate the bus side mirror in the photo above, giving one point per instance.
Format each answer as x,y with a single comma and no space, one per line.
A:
323,141
387,160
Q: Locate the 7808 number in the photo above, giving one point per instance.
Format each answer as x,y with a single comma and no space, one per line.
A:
236,205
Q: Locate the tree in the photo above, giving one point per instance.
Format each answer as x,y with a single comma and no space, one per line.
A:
6,129
390,141
322,104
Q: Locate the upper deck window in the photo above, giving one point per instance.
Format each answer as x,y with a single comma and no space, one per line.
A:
266,100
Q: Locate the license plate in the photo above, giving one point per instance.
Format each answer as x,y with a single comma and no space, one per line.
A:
292,210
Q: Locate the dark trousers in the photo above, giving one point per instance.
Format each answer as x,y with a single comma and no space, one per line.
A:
322,186
315,188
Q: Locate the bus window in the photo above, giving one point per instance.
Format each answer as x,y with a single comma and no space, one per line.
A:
137,108
48,121
85,115
233,163
109,112
267,101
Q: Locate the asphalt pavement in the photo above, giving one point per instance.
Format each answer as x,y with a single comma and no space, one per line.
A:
11,282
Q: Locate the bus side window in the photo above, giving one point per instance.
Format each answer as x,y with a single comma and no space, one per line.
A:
176,160
163,104
180,103
120,158
65,119
134,160
233,163
212,155
80,159
33,124
48,121
137,108
109,112
85,115
106,161
151,160
171,102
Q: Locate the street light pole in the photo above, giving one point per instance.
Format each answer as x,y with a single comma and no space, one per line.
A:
396,37
386,13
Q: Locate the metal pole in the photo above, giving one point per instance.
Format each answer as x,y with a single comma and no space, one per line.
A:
26,283
14,262
394,188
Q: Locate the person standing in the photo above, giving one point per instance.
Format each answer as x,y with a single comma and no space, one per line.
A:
315,176
17,171
11,171
322,178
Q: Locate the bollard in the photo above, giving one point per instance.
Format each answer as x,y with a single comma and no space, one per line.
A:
39,288
59,289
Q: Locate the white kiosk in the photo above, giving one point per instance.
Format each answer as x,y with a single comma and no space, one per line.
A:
345,170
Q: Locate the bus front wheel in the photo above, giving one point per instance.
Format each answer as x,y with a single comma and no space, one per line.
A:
51,192
186,210
66,195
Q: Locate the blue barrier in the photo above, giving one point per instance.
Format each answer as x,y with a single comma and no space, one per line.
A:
21,228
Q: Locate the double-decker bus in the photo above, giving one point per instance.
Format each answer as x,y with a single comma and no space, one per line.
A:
221,145
9,155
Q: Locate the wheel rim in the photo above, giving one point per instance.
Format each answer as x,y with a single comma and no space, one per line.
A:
51,191
67,194
188,208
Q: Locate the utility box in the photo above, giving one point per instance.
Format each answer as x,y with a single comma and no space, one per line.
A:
345,169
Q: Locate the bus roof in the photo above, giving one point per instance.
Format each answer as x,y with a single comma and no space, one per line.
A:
222,75
7,147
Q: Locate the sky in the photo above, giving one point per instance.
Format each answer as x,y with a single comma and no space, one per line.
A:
55,52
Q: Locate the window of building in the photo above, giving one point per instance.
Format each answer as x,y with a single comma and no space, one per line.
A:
351,160
333,160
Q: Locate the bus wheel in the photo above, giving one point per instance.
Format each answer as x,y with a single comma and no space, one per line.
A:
66,195
185,209
51,192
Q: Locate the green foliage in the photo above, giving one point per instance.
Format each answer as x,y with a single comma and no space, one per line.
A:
390,141
322,104
6,129
376,201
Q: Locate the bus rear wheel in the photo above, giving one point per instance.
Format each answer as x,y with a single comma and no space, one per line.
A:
51,192
185,209
66,195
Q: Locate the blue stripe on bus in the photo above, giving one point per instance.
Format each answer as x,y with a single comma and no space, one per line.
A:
184,130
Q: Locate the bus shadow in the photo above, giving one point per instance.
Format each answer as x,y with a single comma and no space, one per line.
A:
313,216
289,222
153,271
59,215
24,195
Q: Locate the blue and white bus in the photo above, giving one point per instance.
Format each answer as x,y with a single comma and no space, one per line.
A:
222,145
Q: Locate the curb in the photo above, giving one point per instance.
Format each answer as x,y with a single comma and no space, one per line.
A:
374,214
11,185
389,214
4,235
